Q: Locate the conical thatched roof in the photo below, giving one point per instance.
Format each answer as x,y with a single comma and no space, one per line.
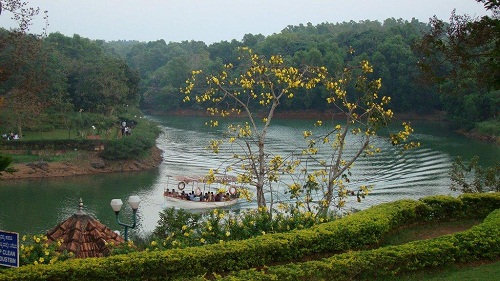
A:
84,236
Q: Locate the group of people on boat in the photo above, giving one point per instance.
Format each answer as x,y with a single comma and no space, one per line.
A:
199,196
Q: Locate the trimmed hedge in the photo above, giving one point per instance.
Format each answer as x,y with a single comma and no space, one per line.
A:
50,144
478,243
354,232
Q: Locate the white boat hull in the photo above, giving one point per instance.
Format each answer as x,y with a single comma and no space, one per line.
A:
196,205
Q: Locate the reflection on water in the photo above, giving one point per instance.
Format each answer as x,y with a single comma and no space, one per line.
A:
34,206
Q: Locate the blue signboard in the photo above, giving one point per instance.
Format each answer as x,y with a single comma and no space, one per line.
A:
9,248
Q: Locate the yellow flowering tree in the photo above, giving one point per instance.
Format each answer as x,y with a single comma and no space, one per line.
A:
257,87
362,113
254,90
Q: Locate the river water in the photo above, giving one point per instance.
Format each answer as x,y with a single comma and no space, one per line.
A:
35,206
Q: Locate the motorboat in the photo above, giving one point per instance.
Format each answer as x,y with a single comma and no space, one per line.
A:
197,193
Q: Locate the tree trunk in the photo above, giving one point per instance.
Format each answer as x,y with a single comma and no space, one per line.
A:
261,199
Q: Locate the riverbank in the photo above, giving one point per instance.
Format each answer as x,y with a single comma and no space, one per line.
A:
87,162
438,116
90,163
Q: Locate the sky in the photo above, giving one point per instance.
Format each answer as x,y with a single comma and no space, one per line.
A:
213,21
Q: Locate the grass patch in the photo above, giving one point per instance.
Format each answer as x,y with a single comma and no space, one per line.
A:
63,134
58,134
467,272
427,231
28,156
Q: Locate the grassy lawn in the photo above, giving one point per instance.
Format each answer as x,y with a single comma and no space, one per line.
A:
48,156
52,135
62,134
27,157
470,272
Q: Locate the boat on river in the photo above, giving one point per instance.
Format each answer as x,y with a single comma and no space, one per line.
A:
197,193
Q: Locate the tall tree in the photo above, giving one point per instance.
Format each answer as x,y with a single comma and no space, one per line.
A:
22,66
463,57
257,87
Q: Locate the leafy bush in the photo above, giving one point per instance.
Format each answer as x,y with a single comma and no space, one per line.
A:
38,250
470,177
180,229
92,123
489,127
442,207
142,139
5,162
477,205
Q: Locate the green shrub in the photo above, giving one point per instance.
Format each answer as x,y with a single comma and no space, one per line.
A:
180,229
37,250
142,139
443,207
479,205
489,127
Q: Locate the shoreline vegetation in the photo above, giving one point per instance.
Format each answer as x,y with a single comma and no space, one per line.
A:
309,114
89,162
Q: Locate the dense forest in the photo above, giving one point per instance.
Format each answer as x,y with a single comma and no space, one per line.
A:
388,45
63,75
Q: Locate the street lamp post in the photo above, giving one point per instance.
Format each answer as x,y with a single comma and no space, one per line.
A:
134,202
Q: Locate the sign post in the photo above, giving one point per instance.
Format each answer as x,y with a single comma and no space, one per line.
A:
9,249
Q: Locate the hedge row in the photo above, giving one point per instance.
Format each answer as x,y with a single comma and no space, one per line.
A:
69,144
354,232
481,242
